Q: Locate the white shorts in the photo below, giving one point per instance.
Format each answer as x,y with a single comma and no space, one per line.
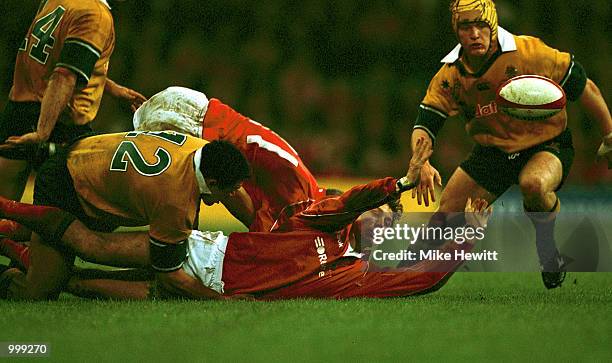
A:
175,108
205,254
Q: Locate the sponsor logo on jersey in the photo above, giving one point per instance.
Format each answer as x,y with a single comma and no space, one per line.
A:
486,110
320,246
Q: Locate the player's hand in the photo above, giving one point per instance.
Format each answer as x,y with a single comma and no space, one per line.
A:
605,151
31,138
476,212
134,98
427,177
422,152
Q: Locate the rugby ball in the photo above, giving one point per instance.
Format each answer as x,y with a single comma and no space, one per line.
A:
530,97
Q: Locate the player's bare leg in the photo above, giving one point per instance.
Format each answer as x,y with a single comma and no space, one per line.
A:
46,277
459,188
538,180
455,194
13,178
119,249
454,197
129,249
110,289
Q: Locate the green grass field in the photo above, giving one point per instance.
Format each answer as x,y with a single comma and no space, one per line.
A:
476,317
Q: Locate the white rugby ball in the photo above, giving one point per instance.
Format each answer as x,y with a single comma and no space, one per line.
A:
531,97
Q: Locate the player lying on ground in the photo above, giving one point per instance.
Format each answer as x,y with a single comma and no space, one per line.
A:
114,180
279,177
308,253
295,271
536,155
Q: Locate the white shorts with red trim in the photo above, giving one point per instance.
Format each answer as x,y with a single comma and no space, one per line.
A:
205,254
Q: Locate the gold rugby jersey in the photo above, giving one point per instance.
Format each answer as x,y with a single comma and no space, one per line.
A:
75,34
454,91
139,178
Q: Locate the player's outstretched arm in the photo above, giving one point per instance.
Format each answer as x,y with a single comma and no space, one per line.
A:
594,104
421,152
57,95
336,212
134,98
429,176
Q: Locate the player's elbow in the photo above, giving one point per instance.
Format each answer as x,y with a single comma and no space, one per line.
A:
64,76
590,90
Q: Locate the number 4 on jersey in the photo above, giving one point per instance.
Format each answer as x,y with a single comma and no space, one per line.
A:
42,32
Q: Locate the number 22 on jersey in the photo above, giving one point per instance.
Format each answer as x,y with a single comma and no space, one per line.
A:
128,153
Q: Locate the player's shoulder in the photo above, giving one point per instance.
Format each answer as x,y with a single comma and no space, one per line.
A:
446,71
149,137
93,8
531,44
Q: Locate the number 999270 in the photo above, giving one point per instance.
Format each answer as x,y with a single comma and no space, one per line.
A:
24,349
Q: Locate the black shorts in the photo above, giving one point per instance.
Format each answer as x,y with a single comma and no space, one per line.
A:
54,187
19,118
496,171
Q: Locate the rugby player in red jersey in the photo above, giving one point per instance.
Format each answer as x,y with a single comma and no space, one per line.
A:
307,253
279,176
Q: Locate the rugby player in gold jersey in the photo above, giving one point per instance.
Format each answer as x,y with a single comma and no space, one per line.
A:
128,179
536,155
58,82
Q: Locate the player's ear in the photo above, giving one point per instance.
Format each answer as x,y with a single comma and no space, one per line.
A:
211,182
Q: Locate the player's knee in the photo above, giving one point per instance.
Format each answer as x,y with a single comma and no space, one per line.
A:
532,187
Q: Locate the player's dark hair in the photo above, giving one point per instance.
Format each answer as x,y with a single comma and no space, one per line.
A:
224,162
